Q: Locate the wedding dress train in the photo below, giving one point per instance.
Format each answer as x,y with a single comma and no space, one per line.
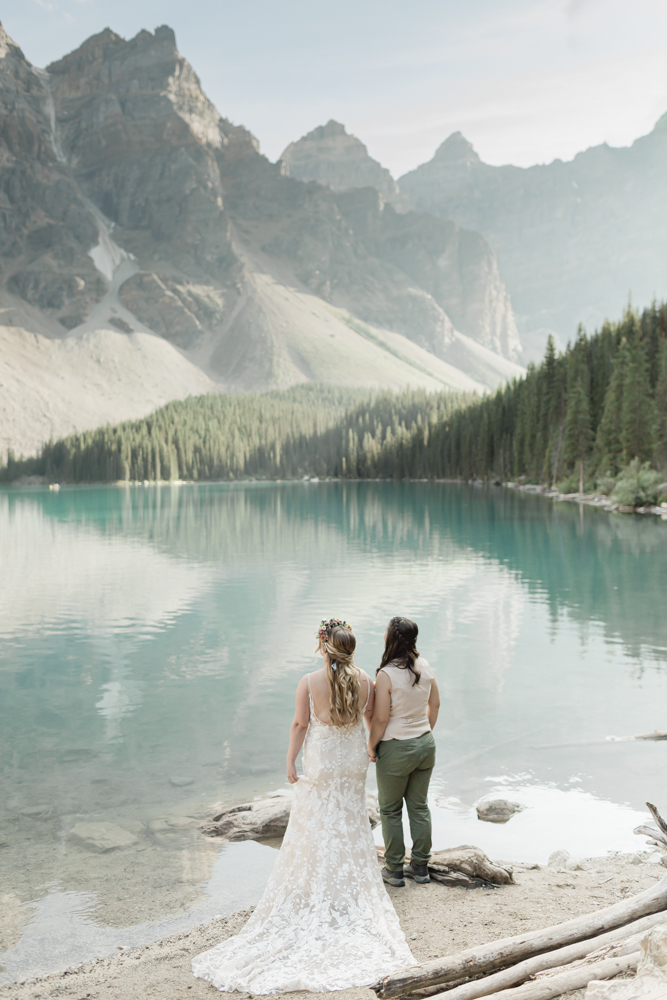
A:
325,921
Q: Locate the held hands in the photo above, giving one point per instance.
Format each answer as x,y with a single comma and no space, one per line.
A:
371,752
292,776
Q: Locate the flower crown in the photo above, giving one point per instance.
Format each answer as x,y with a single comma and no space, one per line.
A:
326,627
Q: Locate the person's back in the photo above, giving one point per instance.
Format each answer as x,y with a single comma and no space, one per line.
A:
401,742
409,700
325,921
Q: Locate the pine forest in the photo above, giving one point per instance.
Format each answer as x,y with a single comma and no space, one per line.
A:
591,418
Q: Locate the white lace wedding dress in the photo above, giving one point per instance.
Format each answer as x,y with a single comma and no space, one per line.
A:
325,921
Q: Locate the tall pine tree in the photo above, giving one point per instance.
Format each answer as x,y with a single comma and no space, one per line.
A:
608,444
577,433
637,407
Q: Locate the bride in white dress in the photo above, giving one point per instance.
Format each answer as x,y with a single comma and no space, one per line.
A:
325,921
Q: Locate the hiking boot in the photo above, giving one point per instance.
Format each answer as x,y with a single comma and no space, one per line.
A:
393,878
417,872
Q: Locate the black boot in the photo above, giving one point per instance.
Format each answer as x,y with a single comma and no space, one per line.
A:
417,872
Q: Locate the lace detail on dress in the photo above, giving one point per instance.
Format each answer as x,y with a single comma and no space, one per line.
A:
325,921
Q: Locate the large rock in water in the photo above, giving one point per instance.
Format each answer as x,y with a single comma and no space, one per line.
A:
498,810
264,819
331,156
103,837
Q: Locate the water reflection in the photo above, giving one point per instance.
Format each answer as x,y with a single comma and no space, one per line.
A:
152,638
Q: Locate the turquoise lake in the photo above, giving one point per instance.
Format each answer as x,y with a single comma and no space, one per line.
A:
151,640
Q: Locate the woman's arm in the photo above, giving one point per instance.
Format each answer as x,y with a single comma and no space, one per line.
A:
381,712
298,729
433,706
368,714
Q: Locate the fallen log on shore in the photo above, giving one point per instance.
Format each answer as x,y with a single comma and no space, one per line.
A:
571,979
628,934
509,951
465,866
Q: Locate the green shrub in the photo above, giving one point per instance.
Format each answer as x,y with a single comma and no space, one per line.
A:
605,484
637,485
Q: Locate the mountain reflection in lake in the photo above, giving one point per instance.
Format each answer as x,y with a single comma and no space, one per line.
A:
152,639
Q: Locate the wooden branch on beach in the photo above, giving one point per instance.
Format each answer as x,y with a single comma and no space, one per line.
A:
469,861
465,866
656,831
508,951
570,979
629,934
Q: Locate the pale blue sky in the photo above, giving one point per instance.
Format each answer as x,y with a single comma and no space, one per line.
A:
525,80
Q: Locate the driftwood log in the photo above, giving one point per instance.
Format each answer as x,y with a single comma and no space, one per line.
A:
497,954
650,983
464,866
629,935
657,831
570,979
471,862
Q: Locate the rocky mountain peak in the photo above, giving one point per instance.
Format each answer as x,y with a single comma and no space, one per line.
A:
7,44
456,149
330,155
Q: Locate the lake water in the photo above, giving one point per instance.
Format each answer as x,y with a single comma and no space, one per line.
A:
151,640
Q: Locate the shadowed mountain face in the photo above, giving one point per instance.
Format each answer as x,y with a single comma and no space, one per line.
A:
572,239
130,205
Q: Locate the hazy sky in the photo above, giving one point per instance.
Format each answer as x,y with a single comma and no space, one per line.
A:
525,80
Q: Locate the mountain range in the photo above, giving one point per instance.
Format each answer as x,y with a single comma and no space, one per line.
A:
149,251
574,240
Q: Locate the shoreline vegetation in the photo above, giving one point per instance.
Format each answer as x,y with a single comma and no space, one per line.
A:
589,425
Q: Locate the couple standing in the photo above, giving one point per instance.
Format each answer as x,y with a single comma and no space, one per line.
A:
325,921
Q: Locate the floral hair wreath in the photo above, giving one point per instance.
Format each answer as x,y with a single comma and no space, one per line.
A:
326,627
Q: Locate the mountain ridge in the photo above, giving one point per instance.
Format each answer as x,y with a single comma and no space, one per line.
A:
134,207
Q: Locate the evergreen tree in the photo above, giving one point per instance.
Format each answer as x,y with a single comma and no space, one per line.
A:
637,406
661,405
608,443
577,434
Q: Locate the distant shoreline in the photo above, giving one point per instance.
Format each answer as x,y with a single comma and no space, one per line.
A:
599,500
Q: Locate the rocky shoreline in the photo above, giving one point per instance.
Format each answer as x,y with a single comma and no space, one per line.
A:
438,920
591,499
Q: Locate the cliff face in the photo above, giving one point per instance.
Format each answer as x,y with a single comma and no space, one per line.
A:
330,156
572,239
45,230
130,204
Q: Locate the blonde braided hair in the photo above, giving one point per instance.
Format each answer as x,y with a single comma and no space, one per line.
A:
343,676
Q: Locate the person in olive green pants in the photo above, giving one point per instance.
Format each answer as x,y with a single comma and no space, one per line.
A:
401,743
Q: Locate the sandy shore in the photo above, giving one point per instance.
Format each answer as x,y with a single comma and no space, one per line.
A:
437,920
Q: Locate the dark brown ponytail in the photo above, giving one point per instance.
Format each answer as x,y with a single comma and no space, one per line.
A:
399,648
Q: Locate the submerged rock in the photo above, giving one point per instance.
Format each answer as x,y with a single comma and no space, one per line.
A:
498,810
102,837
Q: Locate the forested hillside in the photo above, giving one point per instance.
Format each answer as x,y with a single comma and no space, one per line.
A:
311,429
576,420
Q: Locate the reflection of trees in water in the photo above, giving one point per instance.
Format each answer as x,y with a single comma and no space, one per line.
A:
606,569
601,568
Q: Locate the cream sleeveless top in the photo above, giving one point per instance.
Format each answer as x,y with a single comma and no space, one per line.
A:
407,715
